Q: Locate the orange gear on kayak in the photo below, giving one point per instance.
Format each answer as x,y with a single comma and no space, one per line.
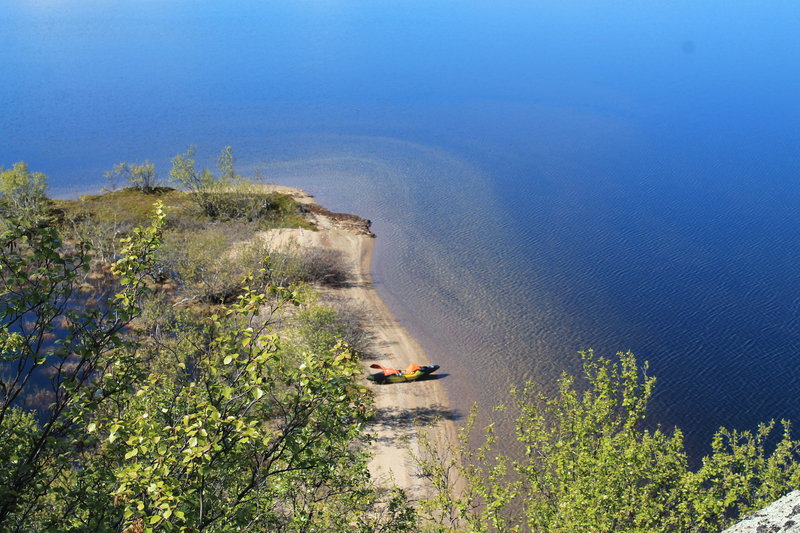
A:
413,368
387,371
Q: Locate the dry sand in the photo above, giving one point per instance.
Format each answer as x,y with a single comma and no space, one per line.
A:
402,408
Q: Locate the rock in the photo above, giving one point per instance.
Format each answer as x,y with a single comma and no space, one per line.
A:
783,516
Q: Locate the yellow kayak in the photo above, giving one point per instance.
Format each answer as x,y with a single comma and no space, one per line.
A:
391,375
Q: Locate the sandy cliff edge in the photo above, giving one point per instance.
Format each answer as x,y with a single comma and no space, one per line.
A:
402,408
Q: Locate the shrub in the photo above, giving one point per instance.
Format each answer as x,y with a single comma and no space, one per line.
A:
588,465
142,177
23,191
209,263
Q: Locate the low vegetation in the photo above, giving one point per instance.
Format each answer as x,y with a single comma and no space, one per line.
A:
162,370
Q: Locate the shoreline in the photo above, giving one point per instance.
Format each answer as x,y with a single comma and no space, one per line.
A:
401,409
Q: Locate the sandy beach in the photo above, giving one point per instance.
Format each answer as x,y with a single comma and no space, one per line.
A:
402,408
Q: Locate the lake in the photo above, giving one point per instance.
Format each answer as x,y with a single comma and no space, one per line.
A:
543,176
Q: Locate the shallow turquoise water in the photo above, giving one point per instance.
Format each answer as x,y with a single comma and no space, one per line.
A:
543,176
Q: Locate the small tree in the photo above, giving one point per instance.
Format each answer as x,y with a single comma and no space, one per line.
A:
225,166
244,434
49,335
142,177
23,191
208,190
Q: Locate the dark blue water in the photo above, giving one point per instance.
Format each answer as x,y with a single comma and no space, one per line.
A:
544,177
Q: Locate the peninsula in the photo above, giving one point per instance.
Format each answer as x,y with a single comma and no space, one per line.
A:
403,408
195,359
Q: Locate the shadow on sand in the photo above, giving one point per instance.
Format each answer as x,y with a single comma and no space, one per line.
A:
430,377
397,423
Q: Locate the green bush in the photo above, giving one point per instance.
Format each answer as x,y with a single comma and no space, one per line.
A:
141,177
23,191
588,465
292,264
210,263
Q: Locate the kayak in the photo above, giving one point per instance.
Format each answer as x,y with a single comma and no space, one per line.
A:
389,375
